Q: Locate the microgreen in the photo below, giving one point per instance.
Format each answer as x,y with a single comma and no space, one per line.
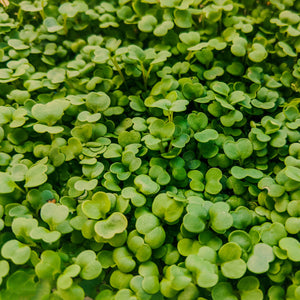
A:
149,149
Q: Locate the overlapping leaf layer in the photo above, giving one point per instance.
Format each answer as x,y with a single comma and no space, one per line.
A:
149,149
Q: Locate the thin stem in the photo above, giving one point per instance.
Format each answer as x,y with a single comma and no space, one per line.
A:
190,55
170,116
20,189
161,147
144,75
115,63
65,25
170,146
42,12
148,74
20,17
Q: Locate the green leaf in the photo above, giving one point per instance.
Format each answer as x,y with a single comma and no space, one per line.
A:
116,223
82,185
49,113
72,9
293,173
241,173
223,290
136,53
17,44
220,88
7,185
49,265
147,23
239,46
56,75
90,266
4,269
206,135
52,25
97,207
239,150
258,53
146,185
213,73
292,247
163,28
41,233
16,251
98,102
190,38
260,258
183,18
162,130
36,175
54,214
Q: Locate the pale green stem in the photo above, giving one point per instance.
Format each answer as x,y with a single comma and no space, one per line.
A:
20,189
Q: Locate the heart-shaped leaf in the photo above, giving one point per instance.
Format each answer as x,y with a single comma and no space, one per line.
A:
239,150
97,207
49,113
7,185
16,251
258,53
36,175
54,214
114,224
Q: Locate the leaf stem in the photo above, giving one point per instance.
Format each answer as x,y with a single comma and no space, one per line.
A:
161,147
115,63
42,12
147,75
170,146
170,116
65,25
20,189
144,75
20,17
190,55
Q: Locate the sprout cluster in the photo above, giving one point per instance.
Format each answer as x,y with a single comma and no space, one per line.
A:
149,149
